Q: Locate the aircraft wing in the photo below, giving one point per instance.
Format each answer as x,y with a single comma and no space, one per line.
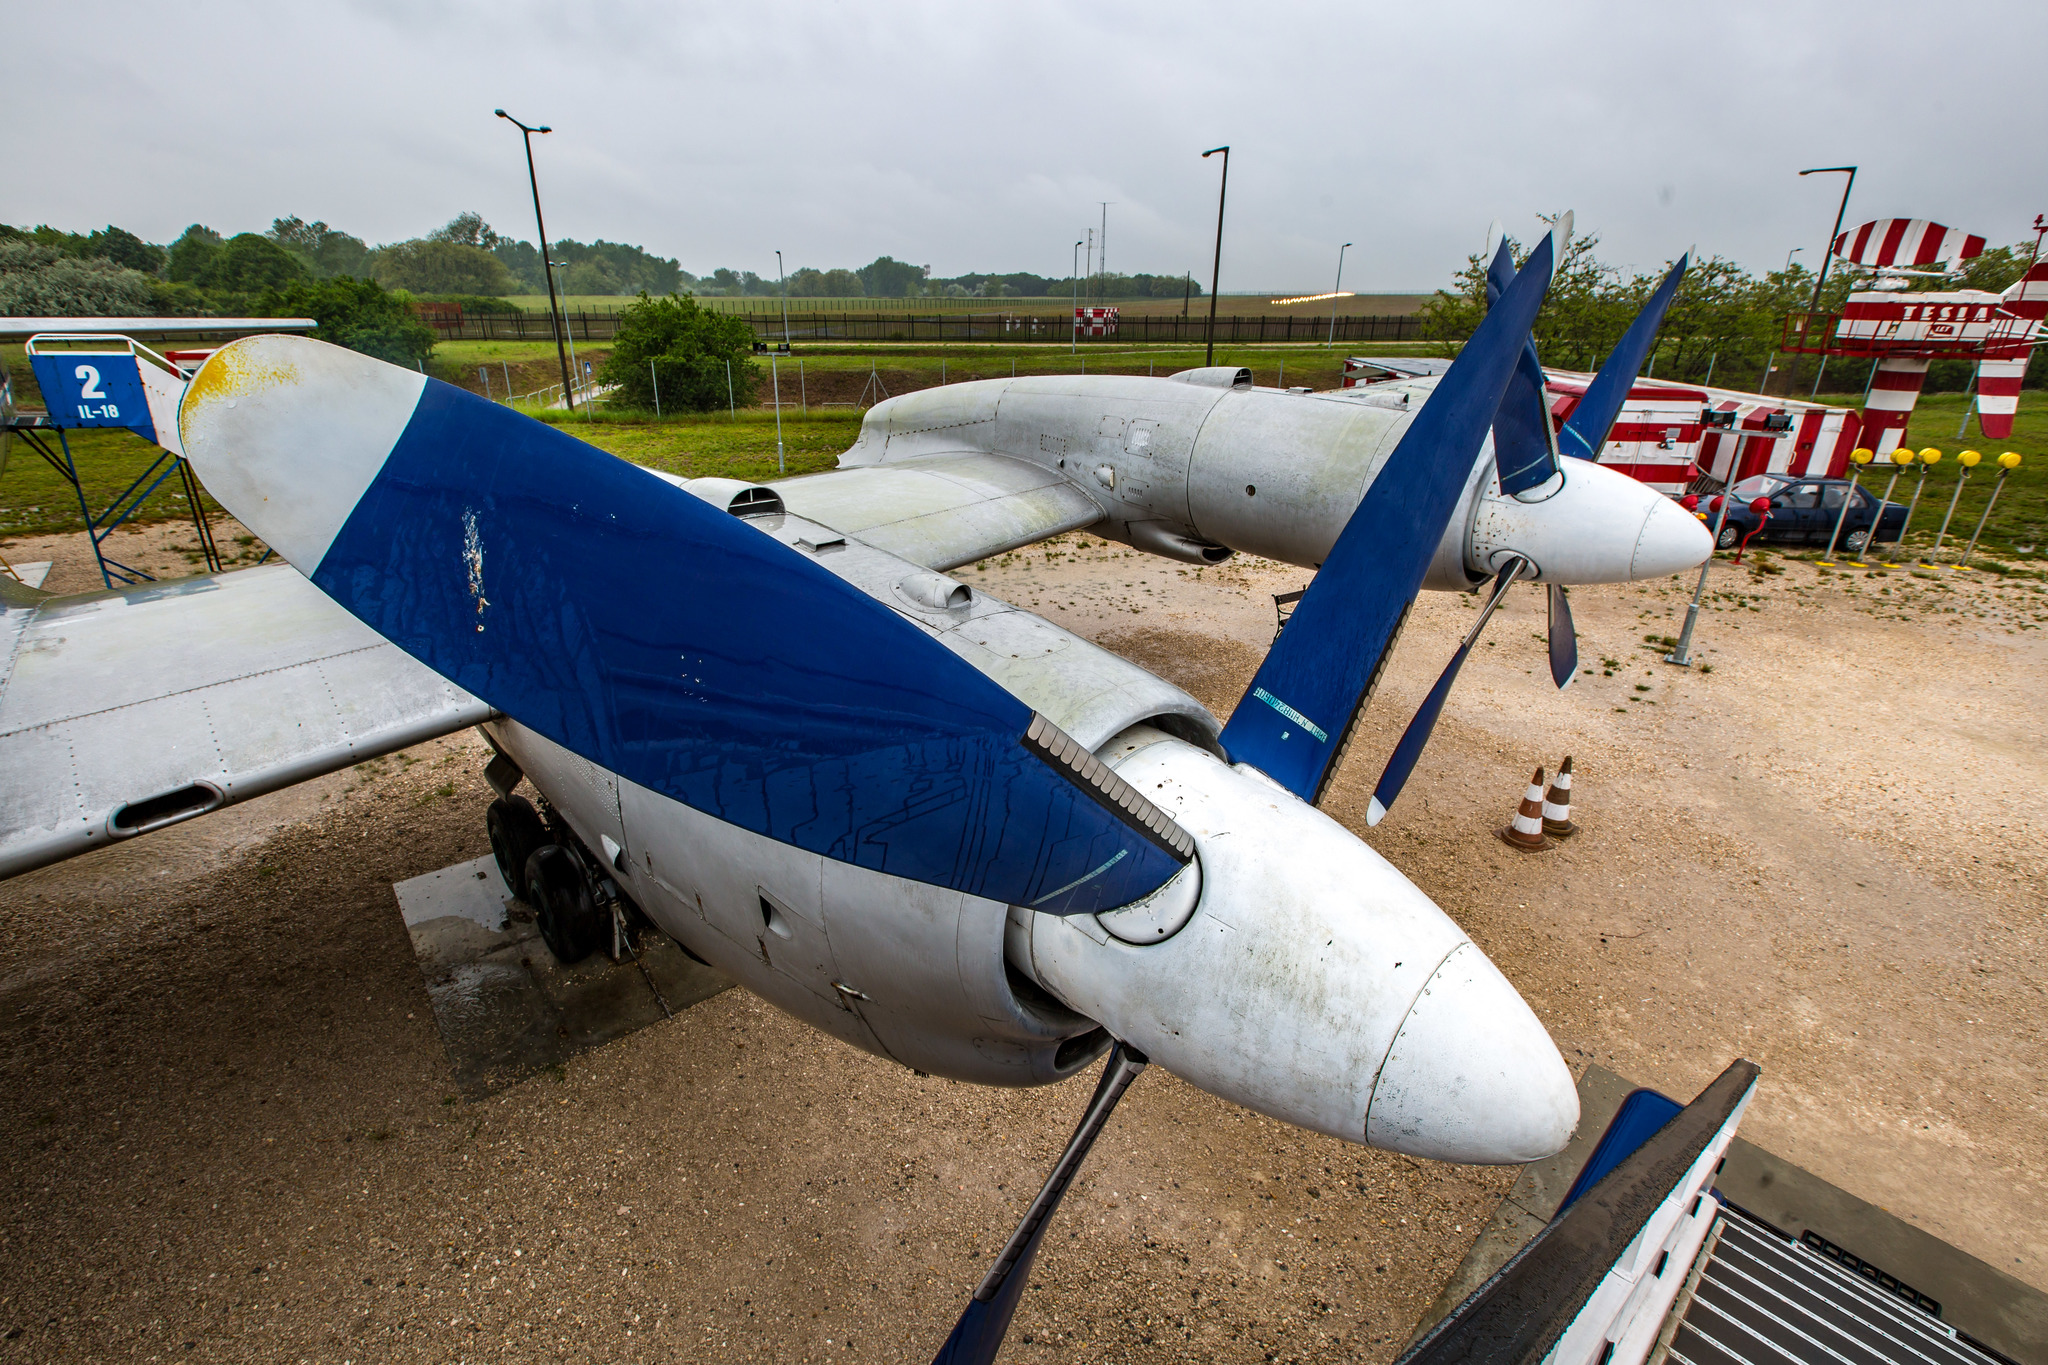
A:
122,712
943,510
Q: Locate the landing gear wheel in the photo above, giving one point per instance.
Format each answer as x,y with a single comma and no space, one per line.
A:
1730,533
1855,541
570,921
516,831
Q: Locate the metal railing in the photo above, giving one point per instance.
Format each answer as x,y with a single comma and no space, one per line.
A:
1140,329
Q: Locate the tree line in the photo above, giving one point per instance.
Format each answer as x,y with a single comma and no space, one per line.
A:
1724,321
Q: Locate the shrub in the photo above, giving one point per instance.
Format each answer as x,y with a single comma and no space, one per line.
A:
40,281
688,347
358,314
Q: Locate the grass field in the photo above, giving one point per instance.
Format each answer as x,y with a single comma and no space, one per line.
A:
34,499
1227,305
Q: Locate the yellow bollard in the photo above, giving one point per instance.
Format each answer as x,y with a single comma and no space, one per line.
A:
1928,457
1968,460
1901,457
2007,463
1861,456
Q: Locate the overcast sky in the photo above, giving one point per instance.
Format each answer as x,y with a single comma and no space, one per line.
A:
980,137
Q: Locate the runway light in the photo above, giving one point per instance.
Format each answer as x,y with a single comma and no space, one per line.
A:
1313,298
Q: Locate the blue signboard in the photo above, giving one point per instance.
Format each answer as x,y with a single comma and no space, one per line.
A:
94,389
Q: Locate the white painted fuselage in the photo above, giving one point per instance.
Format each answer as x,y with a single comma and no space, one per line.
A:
1289,968
1197,470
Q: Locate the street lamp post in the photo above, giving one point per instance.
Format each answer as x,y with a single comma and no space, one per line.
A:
1789,255
1335,290
561,352
1074,342
782,287
1827,251
1216,265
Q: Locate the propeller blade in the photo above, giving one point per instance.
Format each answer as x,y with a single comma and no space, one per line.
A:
979,1334
1564,639
1524,441
1594,417
657,635
1296,718
1402,761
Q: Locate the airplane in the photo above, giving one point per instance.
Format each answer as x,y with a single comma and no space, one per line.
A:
763,721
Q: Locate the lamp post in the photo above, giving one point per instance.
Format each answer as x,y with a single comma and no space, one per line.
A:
782,287
1789,255
1216,266
1827,251
540,227
1335,290
1074,342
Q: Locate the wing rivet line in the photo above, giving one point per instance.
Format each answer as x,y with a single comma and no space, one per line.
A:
1099,780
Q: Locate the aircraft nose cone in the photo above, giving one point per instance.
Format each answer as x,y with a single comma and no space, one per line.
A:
1472,1075
1671,541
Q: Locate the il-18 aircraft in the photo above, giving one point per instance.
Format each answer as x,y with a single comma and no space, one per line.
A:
763,720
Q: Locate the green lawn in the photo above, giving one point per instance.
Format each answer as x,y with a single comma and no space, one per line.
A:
34,499
2018,531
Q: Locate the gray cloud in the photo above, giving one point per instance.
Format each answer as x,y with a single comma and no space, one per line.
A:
982,137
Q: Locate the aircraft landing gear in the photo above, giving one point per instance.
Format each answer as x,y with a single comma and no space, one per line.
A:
570,920
577,907
516,833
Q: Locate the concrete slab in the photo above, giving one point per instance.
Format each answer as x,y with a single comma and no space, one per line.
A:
32,575
505,1007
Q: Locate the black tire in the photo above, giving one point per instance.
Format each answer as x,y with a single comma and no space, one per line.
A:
570,922
516,831
1856,540
1730,535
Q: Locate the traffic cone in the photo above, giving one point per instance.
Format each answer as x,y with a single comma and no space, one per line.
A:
1525,831
1557,804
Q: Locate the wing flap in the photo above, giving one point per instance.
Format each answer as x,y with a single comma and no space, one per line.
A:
235,685
944,510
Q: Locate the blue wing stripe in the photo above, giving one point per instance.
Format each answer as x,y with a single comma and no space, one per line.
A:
684,650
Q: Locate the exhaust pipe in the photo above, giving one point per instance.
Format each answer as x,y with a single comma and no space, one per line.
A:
1158,538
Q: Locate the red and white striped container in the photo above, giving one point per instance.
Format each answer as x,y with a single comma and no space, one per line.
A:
1095,322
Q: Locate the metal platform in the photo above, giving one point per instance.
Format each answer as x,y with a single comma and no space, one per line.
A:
1759,1296
505,1007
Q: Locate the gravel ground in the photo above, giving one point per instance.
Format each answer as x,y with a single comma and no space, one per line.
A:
235,1136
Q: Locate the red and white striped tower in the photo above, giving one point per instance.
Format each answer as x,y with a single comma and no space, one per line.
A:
2000,372
1894,389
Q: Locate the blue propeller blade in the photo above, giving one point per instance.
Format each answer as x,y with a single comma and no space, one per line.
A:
1402,761
658,636
979,1334
1564,639
1297,716
1524,453
1594,417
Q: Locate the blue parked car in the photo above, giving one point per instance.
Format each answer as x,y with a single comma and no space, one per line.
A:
1804,511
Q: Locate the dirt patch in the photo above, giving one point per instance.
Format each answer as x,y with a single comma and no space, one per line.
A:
233,1123
161,549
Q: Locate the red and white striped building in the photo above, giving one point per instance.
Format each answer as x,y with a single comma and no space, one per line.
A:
1668,434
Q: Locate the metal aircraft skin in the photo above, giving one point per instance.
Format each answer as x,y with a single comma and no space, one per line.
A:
929,823
1201,465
